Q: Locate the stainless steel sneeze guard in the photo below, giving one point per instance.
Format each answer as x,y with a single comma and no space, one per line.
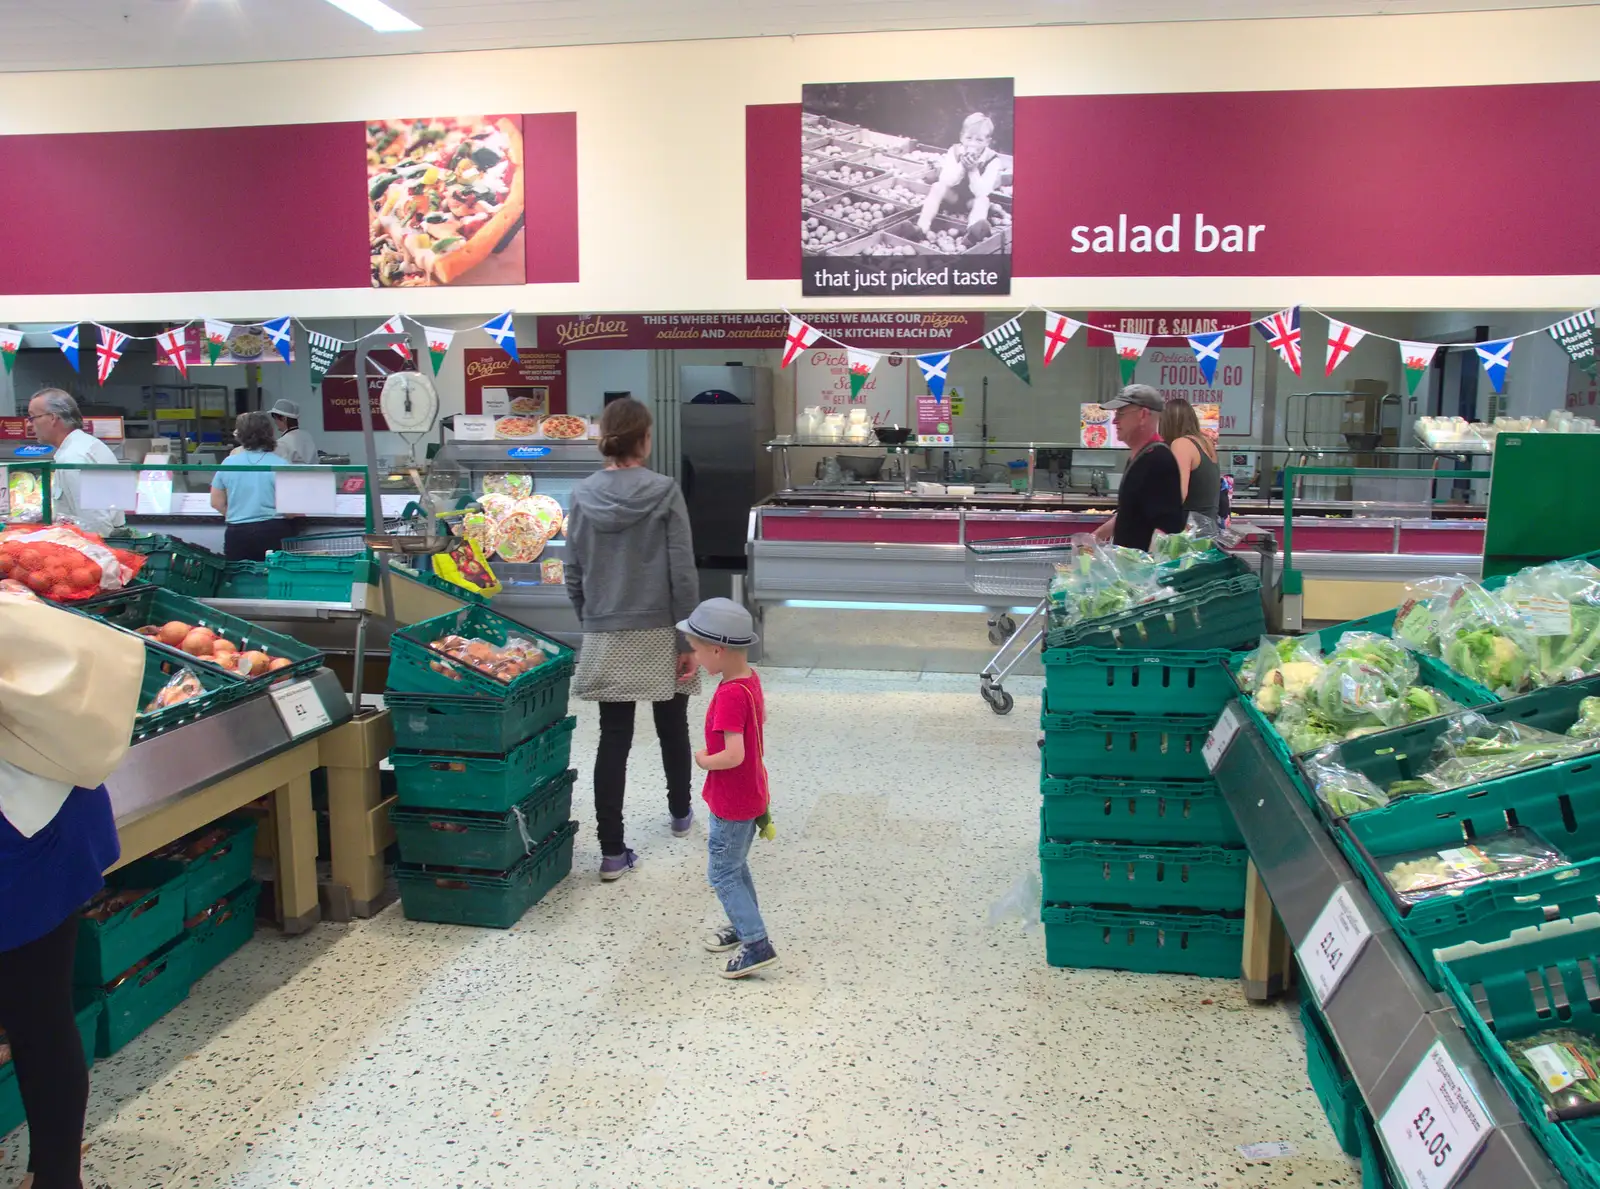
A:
1384,1016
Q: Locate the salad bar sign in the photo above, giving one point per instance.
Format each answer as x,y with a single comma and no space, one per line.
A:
1337,937
1436,1123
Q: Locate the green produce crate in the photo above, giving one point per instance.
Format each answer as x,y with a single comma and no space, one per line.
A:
141,997
1375,1170
244,580
484,841
1380,623
107,948
139,605
495,900
1205,944
160,664
1224,615
1533,980
1217,566
1143,876
90,1009
224,930
208,877
1127,746
411,660
1101,680
176,565
1335,1088
486,727
1172,811
317,577
482,784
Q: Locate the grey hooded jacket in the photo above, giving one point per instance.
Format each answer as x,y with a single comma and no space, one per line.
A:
630,558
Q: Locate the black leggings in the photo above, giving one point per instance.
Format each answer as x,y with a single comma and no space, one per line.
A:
611,765
253,541
36,1014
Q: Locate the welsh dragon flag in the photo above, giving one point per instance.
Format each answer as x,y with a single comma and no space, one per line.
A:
439,340
1129,348
861,365
1416,358
218,333
10,341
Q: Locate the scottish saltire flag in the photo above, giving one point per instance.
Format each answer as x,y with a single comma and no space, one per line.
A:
1207,350
935,370
504,332
66,338
1496,359
281,332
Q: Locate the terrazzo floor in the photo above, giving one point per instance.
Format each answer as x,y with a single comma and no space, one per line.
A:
904,1040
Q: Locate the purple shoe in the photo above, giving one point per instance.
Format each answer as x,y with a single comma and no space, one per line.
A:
681,826
616,866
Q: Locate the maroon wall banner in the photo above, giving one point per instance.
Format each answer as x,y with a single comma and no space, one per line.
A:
1168,325
1390,182
536,384
203,209
906,187
754,332
339,408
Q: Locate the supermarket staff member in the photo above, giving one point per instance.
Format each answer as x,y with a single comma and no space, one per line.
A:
1150,495
294,444
58,423
248,500
69,690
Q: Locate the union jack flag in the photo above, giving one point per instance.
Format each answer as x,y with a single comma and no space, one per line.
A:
1282,332
110,350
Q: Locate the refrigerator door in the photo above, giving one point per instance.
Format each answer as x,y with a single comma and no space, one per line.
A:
726,469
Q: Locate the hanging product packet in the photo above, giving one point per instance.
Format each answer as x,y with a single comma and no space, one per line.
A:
1424,874
1560,605
1565,1066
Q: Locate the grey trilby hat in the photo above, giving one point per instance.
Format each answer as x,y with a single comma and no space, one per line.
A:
1142,395
721,621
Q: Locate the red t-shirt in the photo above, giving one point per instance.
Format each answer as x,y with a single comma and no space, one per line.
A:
738,706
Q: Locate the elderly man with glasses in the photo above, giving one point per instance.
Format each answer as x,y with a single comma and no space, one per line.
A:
57,422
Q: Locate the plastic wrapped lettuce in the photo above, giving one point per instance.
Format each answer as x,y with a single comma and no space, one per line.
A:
1417,619
1565,1066
1560,606
1487,640
1364,682
1422,875
1588,724
1345,792
1473,749
1102,580
1280,665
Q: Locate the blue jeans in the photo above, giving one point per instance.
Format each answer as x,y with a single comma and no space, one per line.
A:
729,875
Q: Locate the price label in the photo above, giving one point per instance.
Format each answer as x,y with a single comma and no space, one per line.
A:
1329,950
1220,738
1436,1123
300,708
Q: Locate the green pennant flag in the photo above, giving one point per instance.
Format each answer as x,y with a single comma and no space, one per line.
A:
217,335
438,344
1577,338
1005,344
1416,359
861,364
324,350
10,341
1130,348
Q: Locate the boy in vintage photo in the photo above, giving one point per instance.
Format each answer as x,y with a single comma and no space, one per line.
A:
967,176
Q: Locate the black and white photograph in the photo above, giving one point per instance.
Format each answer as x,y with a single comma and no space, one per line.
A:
906,187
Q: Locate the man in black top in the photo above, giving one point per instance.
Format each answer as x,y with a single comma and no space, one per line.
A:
1150,496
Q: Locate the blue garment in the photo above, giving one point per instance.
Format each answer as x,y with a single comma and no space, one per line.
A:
252,495
729,875
47,878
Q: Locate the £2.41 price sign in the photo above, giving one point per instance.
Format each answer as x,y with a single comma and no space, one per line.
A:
1436,1123
1329,950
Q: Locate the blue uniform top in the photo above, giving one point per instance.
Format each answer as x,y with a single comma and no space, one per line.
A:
252,495
47,878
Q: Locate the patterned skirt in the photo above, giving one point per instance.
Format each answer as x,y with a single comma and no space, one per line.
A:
640,665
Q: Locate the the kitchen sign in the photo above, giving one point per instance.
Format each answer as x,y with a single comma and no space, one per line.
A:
1436,1123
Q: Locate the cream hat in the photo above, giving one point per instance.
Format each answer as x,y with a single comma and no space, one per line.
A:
69,691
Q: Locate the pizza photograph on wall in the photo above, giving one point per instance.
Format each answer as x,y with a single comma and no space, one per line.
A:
565,427
445,201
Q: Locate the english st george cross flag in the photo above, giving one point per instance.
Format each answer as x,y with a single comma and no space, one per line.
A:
1207,350
395,326
109,350
935,370
1282,332
1342,339
174,345
799,337
1058,332
1496,359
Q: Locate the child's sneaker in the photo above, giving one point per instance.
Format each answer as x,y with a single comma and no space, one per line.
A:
616,866
750,959
681,826
720,941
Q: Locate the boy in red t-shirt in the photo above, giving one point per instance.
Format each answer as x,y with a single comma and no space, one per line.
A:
721,631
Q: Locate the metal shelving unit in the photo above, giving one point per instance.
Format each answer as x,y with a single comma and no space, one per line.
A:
1384,1017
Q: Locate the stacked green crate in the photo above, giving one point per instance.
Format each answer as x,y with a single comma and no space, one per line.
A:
1142,865
483,791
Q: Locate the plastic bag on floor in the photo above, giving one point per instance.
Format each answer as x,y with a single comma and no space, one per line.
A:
1021,902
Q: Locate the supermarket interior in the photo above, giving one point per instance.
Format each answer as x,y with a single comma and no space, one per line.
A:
1171,565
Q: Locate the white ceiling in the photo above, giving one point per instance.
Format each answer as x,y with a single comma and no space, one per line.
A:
97,34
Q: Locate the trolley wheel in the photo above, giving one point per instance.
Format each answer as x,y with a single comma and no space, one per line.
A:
999,701
996,636
1008,625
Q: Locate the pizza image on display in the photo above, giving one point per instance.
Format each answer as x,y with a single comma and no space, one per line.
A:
565,427
519,537
443,194
1094,436
546,511
516,427
528,404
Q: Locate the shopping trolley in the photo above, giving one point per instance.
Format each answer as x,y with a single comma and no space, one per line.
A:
1020,567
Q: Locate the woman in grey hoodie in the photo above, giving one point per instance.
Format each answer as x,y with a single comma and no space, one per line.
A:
631,576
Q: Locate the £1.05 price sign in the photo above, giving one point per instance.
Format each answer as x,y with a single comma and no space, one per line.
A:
1436,1123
